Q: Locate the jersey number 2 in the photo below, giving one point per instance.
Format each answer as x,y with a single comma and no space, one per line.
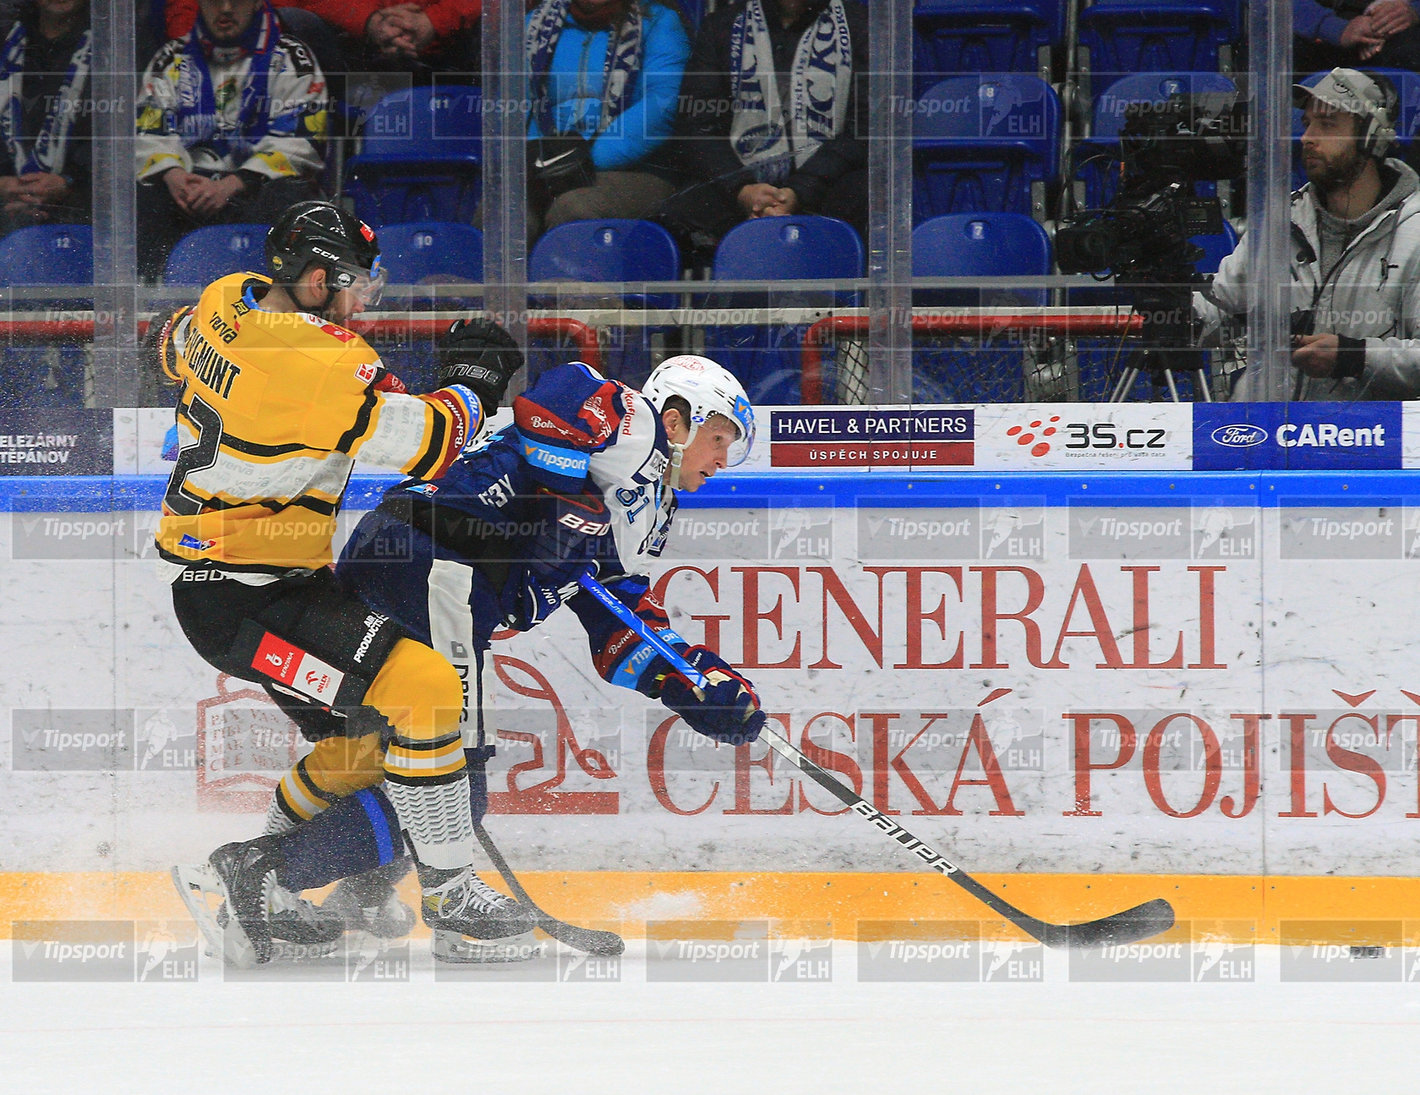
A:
194,457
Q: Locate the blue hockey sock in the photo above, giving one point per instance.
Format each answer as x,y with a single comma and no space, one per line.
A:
357,834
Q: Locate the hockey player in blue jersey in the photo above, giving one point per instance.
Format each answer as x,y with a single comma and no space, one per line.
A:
584,480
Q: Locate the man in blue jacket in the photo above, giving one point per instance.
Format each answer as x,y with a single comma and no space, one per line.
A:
605,79
1351,33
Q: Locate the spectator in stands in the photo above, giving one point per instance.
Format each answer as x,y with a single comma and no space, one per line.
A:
1331,33
45,112
430,34
1356,250
773,118
605,76
231,120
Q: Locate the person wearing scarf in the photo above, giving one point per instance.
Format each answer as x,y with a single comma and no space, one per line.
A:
774,118
607,72
231,120
45,113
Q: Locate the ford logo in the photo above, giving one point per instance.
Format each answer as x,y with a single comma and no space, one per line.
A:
1239,436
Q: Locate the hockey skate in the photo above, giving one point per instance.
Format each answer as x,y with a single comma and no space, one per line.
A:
369,903
237,873
472,922
257,919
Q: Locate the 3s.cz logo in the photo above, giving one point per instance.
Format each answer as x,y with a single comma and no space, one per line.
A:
1106,435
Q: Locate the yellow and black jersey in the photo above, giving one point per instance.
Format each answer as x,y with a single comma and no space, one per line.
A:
275,408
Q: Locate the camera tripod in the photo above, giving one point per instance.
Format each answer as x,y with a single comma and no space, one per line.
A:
1163,299
1151,361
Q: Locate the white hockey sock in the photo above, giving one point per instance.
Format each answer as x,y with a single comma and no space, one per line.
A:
437,820
276,819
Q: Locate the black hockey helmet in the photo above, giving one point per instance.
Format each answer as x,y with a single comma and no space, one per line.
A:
321,233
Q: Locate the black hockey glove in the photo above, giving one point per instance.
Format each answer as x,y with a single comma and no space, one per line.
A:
480,355
729,710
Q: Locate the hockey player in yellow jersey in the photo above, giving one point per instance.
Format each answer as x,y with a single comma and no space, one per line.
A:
278,401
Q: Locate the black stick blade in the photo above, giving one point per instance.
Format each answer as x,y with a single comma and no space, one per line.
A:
600,944
1130,926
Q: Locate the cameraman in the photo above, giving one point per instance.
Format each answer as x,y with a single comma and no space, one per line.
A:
1355,265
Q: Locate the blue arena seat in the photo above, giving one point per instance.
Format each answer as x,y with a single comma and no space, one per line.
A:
953,37
987,368
428,252
1123,36
48,254
215,250
779,248
32,376
420,156
605,250
614,251
984,245
772,249
986,143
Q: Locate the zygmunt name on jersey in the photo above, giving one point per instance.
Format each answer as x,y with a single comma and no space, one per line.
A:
274,410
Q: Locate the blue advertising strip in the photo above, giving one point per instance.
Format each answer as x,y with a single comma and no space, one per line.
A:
56,442
105,493
1296,436
102,494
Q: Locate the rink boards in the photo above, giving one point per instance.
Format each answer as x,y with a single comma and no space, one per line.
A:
1089,689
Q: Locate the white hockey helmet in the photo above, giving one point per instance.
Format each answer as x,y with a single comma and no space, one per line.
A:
710,389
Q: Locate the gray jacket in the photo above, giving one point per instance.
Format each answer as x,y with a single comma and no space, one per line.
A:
1372,293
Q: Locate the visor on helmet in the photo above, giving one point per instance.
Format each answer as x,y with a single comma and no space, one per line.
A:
367,285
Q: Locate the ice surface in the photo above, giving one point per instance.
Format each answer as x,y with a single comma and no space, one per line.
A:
629,1036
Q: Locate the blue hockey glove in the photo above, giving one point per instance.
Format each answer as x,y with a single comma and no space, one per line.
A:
729,709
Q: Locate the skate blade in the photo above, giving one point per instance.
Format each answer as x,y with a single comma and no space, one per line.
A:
462,950
196,885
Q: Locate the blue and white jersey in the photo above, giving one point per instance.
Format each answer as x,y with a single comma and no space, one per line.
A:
455,559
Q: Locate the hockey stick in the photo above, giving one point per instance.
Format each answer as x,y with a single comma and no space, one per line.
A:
1128,926
587,940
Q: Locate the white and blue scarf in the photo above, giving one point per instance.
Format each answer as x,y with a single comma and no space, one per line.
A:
623,60
820,81
47,152
199,120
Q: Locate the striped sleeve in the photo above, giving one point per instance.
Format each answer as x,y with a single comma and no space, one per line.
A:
419,435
